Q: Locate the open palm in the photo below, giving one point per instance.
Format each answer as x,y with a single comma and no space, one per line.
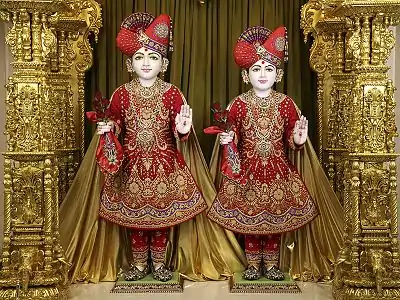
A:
300,131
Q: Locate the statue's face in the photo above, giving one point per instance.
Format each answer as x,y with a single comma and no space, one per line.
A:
146,63
262,75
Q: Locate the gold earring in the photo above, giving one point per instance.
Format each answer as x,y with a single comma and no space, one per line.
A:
279,75
245,77
164,67
129,65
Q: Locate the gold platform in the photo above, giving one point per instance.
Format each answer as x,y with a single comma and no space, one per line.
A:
149,285
263,285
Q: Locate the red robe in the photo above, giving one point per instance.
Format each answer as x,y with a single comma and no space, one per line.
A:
154,187
273,198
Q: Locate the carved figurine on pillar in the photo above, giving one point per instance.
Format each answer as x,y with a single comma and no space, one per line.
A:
266,196
153,190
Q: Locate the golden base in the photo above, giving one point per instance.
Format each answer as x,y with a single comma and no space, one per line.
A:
353,293
263,285
149,285
33,293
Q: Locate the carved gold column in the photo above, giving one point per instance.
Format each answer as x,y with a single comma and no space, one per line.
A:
49,43
358,146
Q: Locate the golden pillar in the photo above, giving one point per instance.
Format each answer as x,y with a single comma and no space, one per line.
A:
352,42
50,45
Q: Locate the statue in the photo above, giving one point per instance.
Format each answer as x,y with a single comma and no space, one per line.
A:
127,201
154,190
264,196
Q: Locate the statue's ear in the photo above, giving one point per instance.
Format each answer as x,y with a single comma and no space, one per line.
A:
279,75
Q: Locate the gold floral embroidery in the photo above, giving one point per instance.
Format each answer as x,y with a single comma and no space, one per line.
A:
148,116
263,124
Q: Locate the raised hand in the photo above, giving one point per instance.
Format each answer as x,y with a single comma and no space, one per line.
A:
183,120
300,131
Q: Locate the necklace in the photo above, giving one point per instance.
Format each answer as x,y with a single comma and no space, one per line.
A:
262,114
148,93
263,102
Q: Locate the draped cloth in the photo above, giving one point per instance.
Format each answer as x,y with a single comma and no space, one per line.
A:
199,249
308,253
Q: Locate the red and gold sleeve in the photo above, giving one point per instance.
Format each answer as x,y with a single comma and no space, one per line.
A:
236,114
291,116
115,110
174,99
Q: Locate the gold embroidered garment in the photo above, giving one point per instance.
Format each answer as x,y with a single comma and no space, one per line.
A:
273,198
154,188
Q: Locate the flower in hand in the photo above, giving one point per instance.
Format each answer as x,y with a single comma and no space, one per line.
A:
221,117
183,120
100,105
300,131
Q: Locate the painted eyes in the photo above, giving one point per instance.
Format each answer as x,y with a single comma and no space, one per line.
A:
152,57
258,69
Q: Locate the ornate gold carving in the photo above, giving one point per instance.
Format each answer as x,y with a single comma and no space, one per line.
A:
360,138
374,198
353,42
27,187
390,120
374,116
322,54
44,127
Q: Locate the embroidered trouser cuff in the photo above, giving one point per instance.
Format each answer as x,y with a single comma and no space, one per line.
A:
253,250
143,241
260,248
271,247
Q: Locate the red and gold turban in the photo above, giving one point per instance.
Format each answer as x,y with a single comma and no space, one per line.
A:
257,43
143,30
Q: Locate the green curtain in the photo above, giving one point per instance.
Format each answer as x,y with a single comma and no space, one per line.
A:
202,64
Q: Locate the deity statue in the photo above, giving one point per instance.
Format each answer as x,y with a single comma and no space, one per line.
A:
155,189
148,187
263,195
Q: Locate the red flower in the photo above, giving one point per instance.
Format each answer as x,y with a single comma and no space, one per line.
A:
216,107
217,116
100,112
221,117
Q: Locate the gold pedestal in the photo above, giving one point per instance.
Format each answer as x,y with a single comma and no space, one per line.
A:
263,285
48,40
352,43
149,285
